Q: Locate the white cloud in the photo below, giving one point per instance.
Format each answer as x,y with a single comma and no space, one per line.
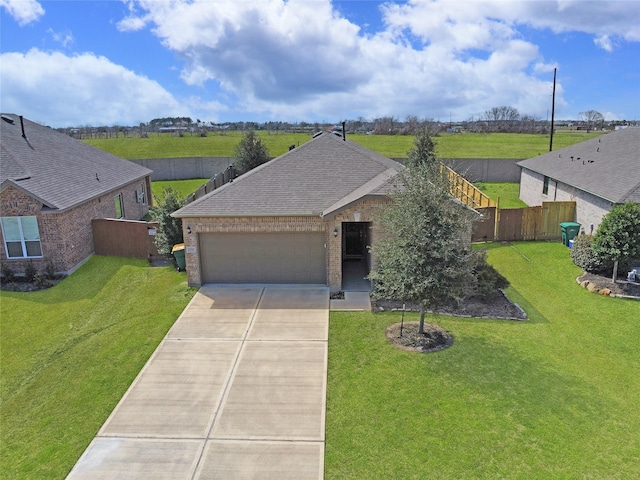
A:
60,89
300,59
23,11
131,24
63,38
604,42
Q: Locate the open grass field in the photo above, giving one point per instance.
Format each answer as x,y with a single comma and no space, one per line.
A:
553,397
507,193
69,353
466,145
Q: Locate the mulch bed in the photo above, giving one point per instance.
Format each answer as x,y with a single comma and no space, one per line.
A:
621,287
406,337
498,306
21,285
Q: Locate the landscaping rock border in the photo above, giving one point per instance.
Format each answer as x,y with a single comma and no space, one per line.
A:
603,286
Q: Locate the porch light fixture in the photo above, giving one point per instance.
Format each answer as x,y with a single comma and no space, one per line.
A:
335,232
188,230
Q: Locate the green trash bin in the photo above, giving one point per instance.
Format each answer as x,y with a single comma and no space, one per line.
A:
178,254
569,231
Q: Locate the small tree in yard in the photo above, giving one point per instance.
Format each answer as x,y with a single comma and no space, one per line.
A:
170,229
618,237
250,152
426,256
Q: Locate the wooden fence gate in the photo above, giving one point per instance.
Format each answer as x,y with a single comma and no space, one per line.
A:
124,238
532,223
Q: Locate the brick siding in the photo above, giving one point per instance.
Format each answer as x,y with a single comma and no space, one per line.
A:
66,237
367,210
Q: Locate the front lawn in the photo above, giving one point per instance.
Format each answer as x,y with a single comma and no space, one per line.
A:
70,352
553,397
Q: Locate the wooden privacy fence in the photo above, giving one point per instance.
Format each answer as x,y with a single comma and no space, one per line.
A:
217,181
532,223
465,191
124,238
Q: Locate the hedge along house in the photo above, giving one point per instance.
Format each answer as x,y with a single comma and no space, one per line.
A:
51,187
307,216
596,174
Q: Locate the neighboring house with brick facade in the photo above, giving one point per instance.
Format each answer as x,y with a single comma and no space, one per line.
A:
51,187
305,217
596,174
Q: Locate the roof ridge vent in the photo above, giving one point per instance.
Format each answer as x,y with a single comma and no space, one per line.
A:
8,119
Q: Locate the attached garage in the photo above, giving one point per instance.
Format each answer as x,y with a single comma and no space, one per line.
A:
255,257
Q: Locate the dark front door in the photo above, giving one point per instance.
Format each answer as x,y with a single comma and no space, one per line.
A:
355,256
354,240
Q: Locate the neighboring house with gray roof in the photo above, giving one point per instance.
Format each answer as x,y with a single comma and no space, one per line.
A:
52,186
596,174
307,216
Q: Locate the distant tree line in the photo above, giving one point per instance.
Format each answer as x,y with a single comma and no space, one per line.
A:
504,119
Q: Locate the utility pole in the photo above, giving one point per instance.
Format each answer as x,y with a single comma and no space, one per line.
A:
553,109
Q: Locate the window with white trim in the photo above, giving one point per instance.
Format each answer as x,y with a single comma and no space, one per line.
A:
119,206
21,237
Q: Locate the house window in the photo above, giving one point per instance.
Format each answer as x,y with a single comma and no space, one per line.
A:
119,206
545,186
21,237
141,195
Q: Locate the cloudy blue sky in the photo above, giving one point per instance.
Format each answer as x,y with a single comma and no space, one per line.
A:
70,63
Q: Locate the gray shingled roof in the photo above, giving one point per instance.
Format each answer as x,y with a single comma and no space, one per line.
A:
317,178
607,166
56,169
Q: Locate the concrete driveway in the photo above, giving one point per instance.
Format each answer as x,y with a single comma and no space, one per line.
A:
237,389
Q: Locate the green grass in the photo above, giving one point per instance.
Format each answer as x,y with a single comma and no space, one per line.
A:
503,145
214,145
70,352
508,193
183,187
553,397
466,145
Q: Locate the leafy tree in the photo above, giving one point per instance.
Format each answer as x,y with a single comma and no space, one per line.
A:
426,256
618,236
170,229
250,152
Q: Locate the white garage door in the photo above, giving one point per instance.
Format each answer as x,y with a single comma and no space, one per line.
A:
263,257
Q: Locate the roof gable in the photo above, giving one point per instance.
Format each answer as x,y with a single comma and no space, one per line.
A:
307,180
56,169
607,166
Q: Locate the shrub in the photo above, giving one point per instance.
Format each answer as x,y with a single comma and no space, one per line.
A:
29,271
488,278
583,255
49,270
41,279
170,228
7,273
